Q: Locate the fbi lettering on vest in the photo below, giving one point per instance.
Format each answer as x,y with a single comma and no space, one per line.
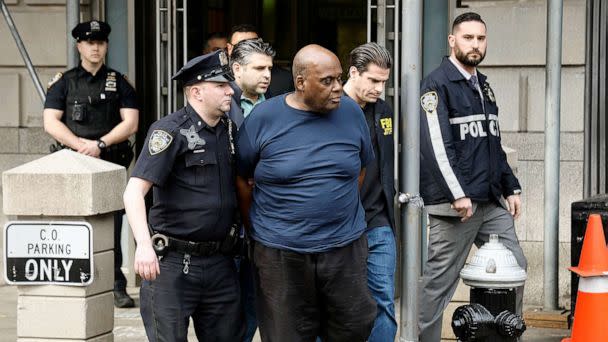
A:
57,253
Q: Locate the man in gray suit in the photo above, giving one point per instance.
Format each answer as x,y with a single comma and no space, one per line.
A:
251,63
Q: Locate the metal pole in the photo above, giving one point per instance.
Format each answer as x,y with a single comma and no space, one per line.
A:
72,18
22,50
552,129
381,23
435,34
410,167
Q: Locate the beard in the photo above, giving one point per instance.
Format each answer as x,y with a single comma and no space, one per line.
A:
466,59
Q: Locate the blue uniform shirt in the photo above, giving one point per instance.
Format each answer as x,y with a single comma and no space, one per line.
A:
305,166
192,168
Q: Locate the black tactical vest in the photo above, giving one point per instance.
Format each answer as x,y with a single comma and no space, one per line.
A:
93,105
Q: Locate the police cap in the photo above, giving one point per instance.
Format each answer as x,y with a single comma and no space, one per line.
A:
92,30
212,67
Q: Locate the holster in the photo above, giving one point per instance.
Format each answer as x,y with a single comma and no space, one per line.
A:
57,146
121,154
234,242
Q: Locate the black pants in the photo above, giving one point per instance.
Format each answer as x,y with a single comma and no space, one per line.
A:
302,296
209,293
120,282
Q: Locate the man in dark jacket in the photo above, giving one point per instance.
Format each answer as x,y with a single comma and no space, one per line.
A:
370,67
282,80
251,63
464,178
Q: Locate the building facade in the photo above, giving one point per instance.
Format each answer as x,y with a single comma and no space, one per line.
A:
515,65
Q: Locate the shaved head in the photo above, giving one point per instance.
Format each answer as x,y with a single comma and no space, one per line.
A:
310,55
317,76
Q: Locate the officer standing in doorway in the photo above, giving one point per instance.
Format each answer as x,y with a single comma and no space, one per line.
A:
183,251
92,109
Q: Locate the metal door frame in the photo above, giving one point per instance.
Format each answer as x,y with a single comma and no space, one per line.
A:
170,14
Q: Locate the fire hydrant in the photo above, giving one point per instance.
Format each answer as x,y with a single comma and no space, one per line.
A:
493,274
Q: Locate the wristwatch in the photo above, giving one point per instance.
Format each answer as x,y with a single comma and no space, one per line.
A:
101,144
517,192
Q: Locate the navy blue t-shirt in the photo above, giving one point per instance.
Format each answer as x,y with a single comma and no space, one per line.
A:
305,166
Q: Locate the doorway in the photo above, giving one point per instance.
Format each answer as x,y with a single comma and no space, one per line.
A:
170,32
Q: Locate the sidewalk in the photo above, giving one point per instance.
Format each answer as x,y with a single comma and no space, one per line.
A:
128,326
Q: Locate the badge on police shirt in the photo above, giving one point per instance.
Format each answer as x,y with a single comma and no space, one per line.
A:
487,91
111,81
429,101
193,138
54,80
159,141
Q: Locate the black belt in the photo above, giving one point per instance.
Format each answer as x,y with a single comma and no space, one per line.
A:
163,243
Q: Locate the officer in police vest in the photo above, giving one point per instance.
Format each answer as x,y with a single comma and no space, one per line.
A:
469,189
184,246
92,109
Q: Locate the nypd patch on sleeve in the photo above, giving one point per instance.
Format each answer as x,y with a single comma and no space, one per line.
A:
54,80
428,101
159,141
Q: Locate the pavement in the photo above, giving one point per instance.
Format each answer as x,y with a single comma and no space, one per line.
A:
128,326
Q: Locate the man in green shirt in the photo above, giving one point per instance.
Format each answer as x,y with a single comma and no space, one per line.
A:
251,63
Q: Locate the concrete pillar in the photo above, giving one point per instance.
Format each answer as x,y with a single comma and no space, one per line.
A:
68,186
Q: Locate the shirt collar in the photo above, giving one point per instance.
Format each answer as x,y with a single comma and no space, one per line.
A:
464,73
198,122
195,119
100,73
261,98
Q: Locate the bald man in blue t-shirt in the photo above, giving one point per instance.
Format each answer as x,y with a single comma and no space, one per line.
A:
306,153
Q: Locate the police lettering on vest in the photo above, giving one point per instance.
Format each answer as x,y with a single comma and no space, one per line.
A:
475,125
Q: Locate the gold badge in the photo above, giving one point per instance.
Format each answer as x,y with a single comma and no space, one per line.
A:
54,80
428,101
159,141
387,125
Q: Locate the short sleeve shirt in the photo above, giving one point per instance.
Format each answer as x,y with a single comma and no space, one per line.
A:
305,166
58,88
191,166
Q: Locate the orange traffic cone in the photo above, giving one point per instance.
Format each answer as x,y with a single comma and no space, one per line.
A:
591,312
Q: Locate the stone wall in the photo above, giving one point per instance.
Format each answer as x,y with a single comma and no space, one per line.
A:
42,27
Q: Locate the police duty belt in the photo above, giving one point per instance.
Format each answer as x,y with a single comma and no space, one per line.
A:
163,243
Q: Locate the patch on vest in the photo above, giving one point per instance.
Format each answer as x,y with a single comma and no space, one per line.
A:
159,141
429,101
387,125
54,80
111,81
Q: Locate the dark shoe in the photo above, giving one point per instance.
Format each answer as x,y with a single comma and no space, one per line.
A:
122,299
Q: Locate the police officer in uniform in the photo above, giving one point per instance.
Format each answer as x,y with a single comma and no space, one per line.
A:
467,185
92,109
182,250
